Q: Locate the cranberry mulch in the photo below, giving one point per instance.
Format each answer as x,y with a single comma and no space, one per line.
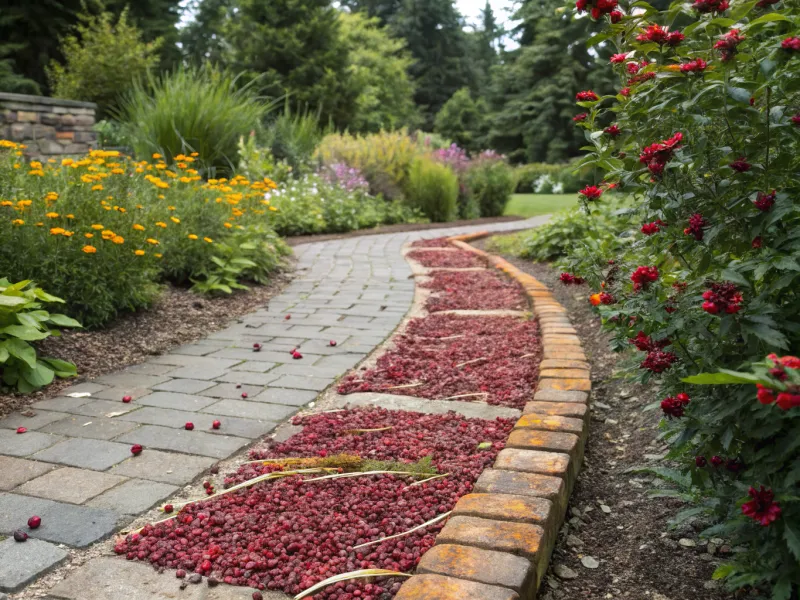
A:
478,290
291,533
458,259
441,242
447,357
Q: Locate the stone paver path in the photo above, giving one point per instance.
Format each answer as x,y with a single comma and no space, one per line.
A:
74,467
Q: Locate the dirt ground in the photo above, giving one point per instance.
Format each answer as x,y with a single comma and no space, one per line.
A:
617,542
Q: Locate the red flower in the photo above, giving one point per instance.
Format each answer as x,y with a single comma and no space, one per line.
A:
598,7
790,362
787,400
618,58
613,130
647,344
615,16
654,227
657,155
625,92
700,461
660,35
643,276
740,165
764,201
762,507
591,192
764,394
727,44
696,225
586,96
707,6
580,117
791,43
606,298
658,361
641,77
722,296
569,279
716,461
674,407
698,65
757,242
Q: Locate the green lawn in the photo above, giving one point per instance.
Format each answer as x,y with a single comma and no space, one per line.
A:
530,205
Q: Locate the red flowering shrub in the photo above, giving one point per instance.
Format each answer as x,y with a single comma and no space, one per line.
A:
674,406
591,192
712,147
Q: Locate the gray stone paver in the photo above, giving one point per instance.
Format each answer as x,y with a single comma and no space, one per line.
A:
354,291
21,563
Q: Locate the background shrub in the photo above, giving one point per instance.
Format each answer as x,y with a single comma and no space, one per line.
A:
433,189
490,183
527,175
292,137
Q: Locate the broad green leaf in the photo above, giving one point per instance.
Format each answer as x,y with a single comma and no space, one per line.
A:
771,336
596,39
11,301
739,94
21,350
64,321
61,367
722,572
25,332
39,376
782,590
3,355
45,297
721,378
768,18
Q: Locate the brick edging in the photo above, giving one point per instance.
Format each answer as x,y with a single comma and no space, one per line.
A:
497,542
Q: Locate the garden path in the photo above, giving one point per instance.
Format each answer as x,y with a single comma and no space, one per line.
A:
73,467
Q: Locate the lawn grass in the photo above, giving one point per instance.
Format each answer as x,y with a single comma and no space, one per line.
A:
531,205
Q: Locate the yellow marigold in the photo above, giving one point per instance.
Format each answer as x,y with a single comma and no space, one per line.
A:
51,196
192,236
68,233
170,208
185,180
208,239
6,203
56,231
118,171
138,227
35,164
227,225
160,224
175,220
161,197
70,216
67,162
273,209
139,170
157,255
139,252
97,226
122,209
18,222
17,166
157,156
97,188
140,206
88,236
8,144
108,234
90,249
161,166
182,165
118,239
52,215
195,154
152,241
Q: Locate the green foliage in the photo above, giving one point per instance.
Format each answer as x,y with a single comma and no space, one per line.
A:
463,120
490,183
293,137
378,71
193,109
528,175
111,134
728,260
433,189
23,320
85,76
10,80
532,205
156,19
383,10
546,178
202,38
294,47
436,39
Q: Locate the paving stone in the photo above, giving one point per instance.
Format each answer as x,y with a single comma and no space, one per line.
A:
97,455
264,356
198,372
312,371
180,440
68,484
100,408
181,360
533,461
249,378
148,368
16,471
99,428
340,361
177,419
61,404
522,539
479,410
184,386
83,388
298,382
229,390
130,380
285,397
563,409
551,363
496,481
134,496
176,401
62,523
39,420
506,507
560,353
200,349
253,366
16,444
22,563
484,566
564,373
166,467
551,423
438,587
246,409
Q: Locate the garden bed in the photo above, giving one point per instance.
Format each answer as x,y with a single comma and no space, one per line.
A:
481,290
434,259
291,533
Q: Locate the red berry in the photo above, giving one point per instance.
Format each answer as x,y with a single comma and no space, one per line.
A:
34,522
180,573
20,536
258,596
136,449
209,491
189,426
216,425
287,317
332,343
22,429
297,356
206,484
238,386
244,394
256,347
205,565
126,399
168,508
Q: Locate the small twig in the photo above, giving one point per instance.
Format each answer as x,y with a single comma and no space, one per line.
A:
528,355
469,362
466,395
397,535
427,480
408,385
356,431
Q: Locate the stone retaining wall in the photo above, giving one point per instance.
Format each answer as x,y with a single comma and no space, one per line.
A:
47,126
497,543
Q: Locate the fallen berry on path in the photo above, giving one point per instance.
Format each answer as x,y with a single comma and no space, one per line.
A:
258,596
238,386
189,426
332,343
168,508
126,399
206,484
34,522
256,347
214,469
216,425
244,394
287,317
136,449
20,536
180,573
22,429
297,355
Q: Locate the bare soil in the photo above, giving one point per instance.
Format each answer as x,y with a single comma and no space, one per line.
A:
611,516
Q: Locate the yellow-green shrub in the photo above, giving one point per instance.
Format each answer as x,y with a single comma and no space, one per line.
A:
433,189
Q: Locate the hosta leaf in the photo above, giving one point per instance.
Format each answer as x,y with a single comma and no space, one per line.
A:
61,367
39,376
11,301
21,350
64,321
25,332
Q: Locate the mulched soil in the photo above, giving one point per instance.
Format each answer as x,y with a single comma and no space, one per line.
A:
447,357
178,317
398,228
290,533
458,259
640,555
479,290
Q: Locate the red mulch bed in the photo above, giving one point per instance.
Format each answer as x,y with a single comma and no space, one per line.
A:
506,352
479,290
433,243
289,534
448,260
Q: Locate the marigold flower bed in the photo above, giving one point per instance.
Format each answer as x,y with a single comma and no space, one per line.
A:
289,534
479,290
486,359
457,259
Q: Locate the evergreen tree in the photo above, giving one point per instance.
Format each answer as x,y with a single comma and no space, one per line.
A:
296,48
202,39
484,46
463,120
156,19
384,10
435,35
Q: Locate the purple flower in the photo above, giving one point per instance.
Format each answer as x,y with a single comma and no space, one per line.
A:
348,178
